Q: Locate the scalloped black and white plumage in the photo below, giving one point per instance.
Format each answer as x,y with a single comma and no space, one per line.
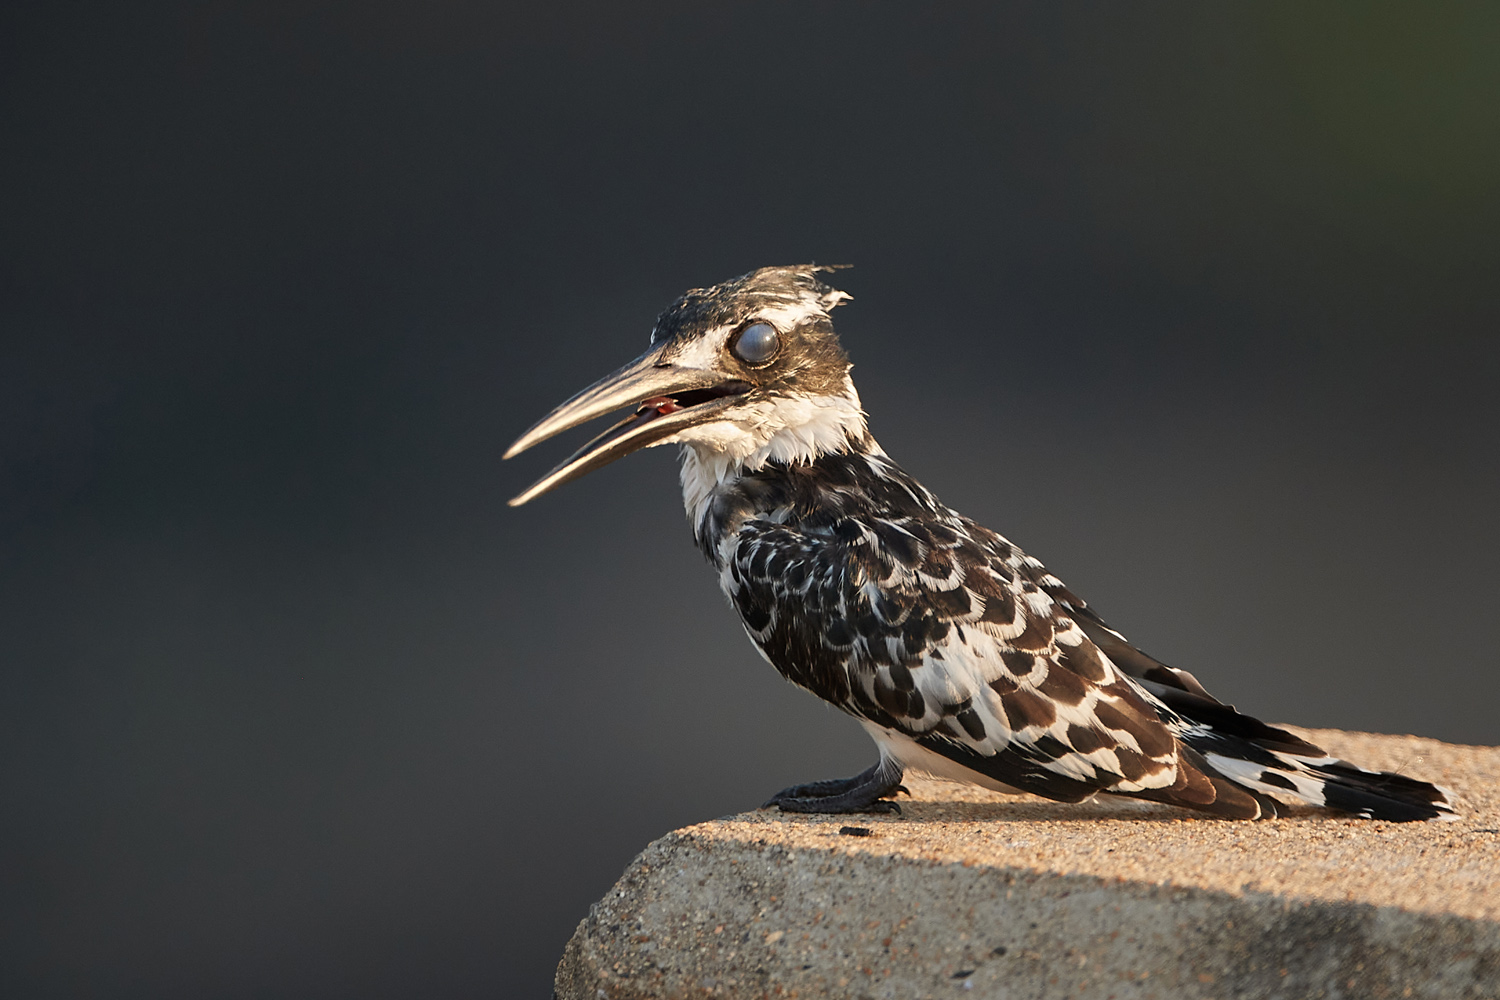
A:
959,654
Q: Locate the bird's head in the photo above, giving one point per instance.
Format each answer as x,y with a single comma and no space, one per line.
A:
747,371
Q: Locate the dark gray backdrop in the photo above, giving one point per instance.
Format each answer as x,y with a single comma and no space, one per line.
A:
1196,304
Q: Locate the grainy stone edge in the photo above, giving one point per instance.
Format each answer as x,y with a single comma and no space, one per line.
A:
699,917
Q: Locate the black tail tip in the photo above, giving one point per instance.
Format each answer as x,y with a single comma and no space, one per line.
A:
1384,795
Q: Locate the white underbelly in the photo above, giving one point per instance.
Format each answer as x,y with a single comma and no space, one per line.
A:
914,756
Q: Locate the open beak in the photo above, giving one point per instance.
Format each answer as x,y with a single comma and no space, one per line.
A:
666,398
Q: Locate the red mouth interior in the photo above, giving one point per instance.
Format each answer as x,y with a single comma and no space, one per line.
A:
660,406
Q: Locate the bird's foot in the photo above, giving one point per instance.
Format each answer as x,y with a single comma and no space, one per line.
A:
864,793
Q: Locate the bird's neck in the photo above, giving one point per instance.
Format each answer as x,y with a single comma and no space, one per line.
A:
785,433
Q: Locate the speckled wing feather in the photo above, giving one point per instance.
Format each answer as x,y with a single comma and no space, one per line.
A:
1262,757
864,589
932,627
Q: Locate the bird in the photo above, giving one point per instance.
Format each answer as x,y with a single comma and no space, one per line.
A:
961,655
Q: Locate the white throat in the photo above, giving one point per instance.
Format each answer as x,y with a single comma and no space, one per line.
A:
785,429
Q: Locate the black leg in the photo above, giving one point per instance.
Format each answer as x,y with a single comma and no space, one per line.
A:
863,793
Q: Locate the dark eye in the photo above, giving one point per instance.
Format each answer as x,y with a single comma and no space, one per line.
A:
757,344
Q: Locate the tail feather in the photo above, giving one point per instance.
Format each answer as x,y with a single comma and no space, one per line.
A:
1383,794
1200,786
1328,781
1264,760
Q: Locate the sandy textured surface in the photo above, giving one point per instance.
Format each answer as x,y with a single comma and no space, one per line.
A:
1450,867
1018,896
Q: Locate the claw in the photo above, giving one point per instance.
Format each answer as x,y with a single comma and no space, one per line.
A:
863,793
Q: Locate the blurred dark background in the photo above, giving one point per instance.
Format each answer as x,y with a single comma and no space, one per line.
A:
1196,304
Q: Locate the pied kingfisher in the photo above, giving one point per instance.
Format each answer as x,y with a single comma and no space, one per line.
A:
960,654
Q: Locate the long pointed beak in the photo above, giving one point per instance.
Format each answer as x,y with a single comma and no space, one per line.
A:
667,398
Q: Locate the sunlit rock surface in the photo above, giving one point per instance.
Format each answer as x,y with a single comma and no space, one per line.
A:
974,894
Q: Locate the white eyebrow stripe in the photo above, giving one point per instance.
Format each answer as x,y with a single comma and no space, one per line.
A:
704,351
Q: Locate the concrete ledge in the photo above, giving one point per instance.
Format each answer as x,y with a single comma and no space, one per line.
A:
973,894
